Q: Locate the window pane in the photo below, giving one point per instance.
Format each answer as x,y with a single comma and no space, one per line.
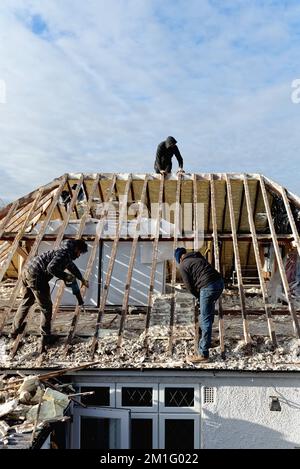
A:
137,397
141,434
179,434
179,397
100,433
100,397
94,433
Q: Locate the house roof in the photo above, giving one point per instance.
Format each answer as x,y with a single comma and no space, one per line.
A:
229,217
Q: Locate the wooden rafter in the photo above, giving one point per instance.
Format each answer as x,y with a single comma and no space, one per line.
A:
254,212
195,213
154,261
18,217
90,263
131,263
196,248
23,202
34,249
58,240
291,219
270,322
240,216
173,278
237,263
282,238
113,254
284,280
70,192
8,217
217,261
18,237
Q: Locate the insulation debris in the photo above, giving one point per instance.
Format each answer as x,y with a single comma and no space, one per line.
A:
133,354
30,405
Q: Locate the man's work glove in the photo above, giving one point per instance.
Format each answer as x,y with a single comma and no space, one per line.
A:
69,278
85,283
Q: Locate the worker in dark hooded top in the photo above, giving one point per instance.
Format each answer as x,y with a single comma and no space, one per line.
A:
206,284
164,153
35,279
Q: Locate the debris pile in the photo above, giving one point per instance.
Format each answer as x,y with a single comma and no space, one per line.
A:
29,405
134,354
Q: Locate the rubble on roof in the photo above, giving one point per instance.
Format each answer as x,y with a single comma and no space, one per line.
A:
133,354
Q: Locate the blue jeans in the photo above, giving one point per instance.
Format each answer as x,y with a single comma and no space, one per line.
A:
208,298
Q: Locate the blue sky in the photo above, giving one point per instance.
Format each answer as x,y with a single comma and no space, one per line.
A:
94,86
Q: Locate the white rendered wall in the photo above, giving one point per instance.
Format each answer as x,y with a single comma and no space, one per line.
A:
240,416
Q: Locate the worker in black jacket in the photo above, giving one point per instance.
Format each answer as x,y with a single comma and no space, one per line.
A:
35,279
164,153
206,284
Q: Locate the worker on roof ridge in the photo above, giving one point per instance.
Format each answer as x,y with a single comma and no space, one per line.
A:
206,284
35,279
164,153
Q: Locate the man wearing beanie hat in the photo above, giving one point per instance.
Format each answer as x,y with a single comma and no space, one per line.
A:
206,284
164,153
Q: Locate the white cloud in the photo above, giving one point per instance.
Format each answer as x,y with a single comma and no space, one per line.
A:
110,80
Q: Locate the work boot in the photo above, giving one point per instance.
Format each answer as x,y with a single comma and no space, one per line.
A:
198,359
49,339
14,333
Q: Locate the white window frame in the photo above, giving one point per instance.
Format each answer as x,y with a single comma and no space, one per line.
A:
112,391
153,408
197,399
164,417
97,412
154,418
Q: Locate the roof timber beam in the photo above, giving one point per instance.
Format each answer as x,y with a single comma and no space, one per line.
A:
86,192
282,272
291,219
270,322
111,264
196,248
154,176
131,264
27,199
154,262
70,192
277,188
8,217
17,218
108,198
285,239
90,264
59,239
34,249
253,214
217,261
18,237
173,278
240,215
237,263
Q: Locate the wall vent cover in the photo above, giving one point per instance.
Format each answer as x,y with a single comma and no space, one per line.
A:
209,395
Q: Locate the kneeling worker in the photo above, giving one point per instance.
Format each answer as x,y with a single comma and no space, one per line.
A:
35,279
206,284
